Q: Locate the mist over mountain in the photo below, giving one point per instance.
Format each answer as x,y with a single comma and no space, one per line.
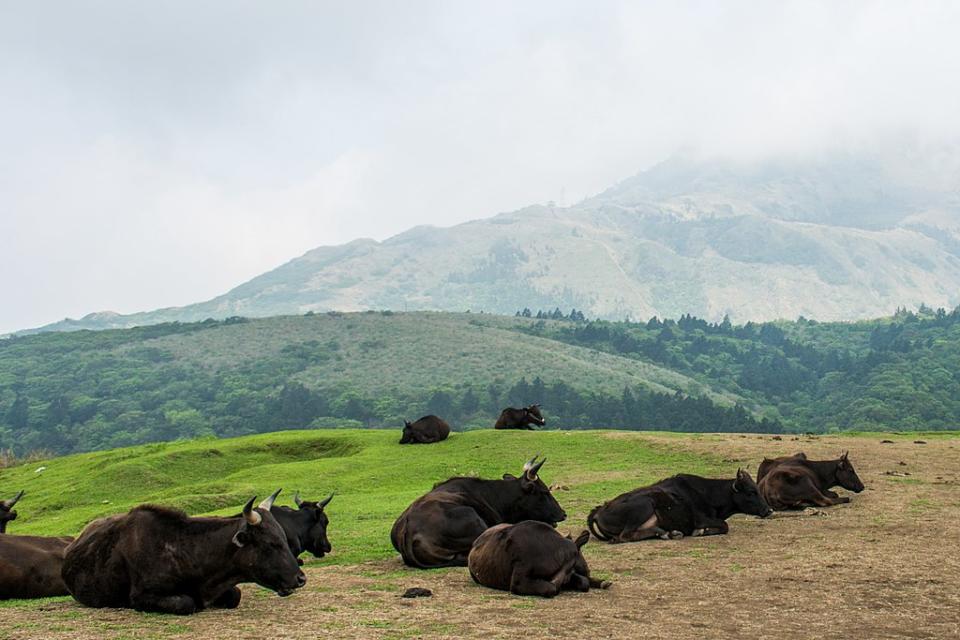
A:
831,237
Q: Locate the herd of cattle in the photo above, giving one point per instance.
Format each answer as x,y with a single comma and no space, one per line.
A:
504,530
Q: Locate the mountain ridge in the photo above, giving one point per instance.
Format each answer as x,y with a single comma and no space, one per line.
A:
843,238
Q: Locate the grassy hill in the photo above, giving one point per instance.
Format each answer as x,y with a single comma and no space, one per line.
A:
374,477
82,391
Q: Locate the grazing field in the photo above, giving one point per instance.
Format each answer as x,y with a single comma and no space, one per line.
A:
883,566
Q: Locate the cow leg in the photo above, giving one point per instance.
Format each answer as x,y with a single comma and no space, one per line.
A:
711,528
599,584
577,582
525,586
178,604
229,599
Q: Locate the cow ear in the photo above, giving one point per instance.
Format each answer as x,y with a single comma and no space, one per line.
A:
582,539
509,476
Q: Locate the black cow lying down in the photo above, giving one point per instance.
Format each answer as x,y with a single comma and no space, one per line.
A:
7,514
30,567
524,418
683,505
158,559
531,559
305,526
438,529
795,482
426,430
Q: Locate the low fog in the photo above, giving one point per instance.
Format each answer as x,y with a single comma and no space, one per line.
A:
157,154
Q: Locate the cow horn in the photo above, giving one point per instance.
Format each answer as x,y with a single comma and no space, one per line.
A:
8,504
532,467
267,504
252,517
325,502
296,499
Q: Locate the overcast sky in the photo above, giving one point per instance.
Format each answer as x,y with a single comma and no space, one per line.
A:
160,153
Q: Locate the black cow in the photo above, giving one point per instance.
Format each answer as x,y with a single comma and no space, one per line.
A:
530,559
425,430
439,528
158,559
7,514
305,526
524,418
30,567
683,505
795,482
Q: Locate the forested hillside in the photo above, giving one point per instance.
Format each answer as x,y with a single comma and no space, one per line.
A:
68,392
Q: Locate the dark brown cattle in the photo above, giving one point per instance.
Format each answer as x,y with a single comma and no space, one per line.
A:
683,505
795,482
7,514
305,526
524,418
30,567
769,463
530,559
439,528
159,559
425,430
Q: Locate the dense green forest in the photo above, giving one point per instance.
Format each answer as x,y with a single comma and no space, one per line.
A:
68,392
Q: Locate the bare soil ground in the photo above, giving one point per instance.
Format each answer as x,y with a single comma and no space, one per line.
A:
886,565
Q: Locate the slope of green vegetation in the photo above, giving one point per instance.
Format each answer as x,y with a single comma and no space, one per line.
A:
374,477
82,391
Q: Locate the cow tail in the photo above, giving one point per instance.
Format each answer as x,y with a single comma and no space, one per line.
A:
592,525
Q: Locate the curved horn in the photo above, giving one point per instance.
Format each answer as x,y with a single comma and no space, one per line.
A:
324,503
268,503
8,504
296,499
532,468
252,517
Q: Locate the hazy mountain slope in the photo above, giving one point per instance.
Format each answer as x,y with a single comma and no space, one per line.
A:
836,238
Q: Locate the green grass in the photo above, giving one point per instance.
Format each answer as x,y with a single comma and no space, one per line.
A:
374,477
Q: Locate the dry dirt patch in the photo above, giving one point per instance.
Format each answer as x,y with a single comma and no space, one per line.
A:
885,566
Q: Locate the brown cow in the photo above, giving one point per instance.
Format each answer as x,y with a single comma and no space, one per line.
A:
439,528
531,559
158,559
426,430
524,418
30,566
795,482
769,463
7,514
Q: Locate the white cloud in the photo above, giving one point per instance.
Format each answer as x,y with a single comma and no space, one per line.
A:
159,154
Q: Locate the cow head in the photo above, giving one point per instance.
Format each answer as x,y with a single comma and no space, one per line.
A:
747,498
7,514
846,476
316,541
535,502
407,433
533,414
263,552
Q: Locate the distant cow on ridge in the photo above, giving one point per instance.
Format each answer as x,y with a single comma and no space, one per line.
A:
795,482
530,559
425,430
305,526
684,505
438,529
7,514
524,418
158,559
